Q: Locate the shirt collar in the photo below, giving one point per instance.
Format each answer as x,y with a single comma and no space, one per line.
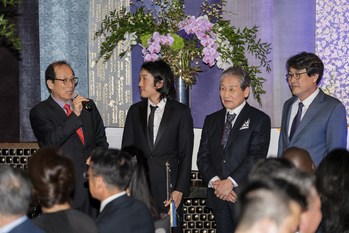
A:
13,224
109,199
61,103
161,104
238,109
310,99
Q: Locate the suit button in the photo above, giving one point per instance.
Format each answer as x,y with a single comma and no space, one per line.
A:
224,161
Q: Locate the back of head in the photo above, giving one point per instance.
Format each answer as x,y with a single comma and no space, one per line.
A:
114,166
281,168
15,191
139,183
300,158
52,175
332,181
161,71
271,200
309,61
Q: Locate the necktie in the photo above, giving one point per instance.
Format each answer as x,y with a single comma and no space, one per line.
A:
79,130
151,124
296,120
227,128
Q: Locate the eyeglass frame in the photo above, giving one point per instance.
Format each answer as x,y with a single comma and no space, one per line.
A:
66,80
296,76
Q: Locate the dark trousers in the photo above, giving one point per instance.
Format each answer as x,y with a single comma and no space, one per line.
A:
224,218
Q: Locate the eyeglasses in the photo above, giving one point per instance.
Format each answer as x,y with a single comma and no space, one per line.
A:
296,76
67,81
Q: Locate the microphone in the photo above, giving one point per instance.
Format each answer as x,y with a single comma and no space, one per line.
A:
85,104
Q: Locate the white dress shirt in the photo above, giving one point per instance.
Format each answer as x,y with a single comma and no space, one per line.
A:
159,112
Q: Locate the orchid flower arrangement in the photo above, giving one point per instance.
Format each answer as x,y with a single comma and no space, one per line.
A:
164,31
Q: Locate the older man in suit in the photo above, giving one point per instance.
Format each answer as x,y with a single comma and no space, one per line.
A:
15,197
63,122
232,140
311,119
109,175
163,129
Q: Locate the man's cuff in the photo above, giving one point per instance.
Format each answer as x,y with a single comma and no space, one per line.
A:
211,181
233,181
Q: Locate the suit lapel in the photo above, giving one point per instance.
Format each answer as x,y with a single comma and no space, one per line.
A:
165,120
240,120
143,118
287,123
310,113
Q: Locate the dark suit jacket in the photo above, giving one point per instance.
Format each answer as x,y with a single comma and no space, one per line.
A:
174,143
52,127
125,215
248,142
322,128
26,227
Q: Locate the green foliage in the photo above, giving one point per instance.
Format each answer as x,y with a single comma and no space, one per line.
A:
8,29
164,17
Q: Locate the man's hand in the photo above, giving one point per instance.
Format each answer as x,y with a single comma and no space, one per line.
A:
224,190
176,196
77,104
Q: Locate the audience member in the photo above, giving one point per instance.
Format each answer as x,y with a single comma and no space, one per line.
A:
300,159
311,119
281,168
52,176
270,205
109,175
139,188
63,122
15,197
332,181
232,140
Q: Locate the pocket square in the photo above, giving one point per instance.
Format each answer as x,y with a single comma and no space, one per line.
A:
245,125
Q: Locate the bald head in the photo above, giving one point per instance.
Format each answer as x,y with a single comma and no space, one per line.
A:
300,158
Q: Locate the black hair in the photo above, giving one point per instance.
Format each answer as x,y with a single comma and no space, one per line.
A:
309,61
114,166
161,71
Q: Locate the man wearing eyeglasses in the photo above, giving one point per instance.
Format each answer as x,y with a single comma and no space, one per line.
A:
311,119
62,121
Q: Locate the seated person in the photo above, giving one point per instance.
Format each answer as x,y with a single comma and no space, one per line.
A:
15,196
270,205
300,158
109,176
332,181
139,188
281,168
52,175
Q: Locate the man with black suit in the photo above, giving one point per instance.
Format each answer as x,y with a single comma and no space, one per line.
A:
311,119
109,175
63,122
171,129
232,140
15,197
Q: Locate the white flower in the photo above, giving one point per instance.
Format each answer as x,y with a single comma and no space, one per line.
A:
128,42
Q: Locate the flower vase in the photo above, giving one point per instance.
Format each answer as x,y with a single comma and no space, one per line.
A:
182,92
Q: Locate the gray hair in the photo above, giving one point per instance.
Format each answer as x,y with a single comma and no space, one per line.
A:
245,79
15,191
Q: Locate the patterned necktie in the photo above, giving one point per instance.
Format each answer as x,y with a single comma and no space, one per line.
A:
227,128
296,119
79,130
151,124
